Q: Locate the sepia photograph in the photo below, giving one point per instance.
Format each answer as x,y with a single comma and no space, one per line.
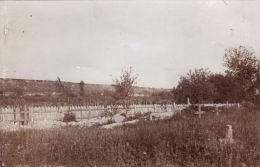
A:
130,83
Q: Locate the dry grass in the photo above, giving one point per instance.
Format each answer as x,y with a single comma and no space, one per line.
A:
184,140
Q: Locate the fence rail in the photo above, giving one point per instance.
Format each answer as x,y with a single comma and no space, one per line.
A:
29,114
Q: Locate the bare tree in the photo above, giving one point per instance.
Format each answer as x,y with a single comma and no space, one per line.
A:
60,87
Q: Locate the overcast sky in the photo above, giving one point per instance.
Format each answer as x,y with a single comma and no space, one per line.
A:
93,40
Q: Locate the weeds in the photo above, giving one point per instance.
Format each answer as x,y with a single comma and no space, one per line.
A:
184,140
69,117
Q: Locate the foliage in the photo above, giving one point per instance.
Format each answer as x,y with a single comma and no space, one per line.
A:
226,89
180,141
239,83
196,86
162,97
110,112
69,117
81,88
18,92
124,86
248,106
242,66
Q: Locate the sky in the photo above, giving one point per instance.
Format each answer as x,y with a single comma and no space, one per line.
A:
94,40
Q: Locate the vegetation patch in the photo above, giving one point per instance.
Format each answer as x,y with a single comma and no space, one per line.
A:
69,117
182,140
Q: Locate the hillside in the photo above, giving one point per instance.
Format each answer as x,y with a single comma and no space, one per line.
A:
45,87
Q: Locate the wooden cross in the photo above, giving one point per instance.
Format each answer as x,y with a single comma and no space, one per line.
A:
200,112
217,111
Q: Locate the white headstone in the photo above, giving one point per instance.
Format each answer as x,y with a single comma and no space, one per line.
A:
229,136
188,101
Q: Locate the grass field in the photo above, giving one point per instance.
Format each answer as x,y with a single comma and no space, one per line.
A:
183,140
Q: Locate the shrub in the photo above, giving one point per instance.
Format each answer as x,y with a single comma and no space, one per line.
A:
181,141
248,105
69,117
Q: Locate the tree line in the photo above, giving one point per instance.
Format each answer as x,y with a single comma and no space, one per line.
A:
240,81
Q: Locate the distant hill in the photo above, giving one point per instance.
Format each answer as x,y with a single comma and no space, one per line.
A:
46,87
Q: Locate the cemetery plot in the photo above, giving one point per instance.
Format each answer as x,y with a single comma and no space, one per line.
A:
230,139
30,116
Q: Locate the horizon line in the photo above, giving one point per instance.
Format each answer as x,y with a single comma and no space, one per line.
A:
76,82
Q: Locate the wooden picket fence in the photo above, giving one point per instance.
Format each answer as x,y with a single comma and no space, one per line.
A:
28,114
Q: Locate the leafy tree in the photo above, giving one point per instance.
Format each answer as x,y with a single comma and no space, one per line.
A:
241,65
81,87
258,85
196,86
226,89
124,86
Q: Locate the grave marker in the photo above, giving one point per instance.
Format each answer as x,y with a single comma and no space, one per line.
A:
154,107
217,111
227,105
199,112
229,135
188,101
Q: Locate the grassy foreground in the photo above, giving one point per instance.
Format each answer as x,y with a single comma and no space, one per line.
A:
183,140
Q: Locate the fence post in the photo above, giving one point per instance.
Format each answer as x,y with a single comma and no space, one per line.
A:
21,121
33,115
89,112
14,109
1,118
25,115
69,109
227,105
81,117
45,109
